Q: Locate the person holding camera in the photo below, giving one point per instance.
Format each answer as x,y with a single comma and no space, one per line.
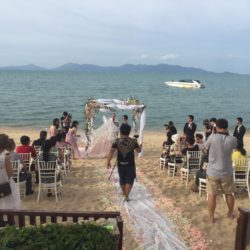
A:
125,147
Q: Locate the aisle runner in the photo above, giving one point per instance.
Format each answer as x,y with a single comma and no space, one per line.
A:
150,226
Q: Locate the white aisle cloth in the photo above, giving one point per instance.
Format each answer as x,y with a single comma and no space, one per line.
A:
149,223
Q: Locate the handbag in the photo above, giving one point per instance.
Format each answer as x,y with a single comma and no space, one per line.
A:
5,189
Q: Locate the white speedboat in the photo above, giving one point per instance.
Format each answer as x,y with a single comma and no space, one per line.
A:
188,84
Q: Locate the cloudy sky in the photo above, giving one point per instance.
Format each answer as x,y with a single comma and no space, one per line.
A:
213,35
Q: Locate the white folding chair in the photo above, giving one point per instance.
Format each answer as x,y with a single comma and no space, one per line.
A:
172,168
163,163
241,174
38,150
21,185
49,178
27,160
193,159
202,186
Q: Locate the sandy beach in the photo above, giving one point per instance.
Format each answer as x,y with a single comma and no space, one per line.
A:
87,189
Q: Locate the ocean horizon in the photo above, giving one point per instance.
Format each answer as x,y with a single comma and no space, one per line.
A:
34,99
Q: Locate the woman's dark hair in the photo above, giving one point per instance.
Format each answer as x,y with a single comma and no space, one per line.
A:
56,122
200,136
11,145
74,124
25,140
4,141
240,147
170,124
213,119
43,135
190,140
65,113
125,129
60,137
47,146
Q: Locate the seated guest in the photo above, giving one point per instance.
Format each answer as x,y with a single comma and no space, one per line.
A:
239,154
202,173
190,145
199,141
41,141
172,127
25,147
24,175
169,134
60,141
54,127
48,155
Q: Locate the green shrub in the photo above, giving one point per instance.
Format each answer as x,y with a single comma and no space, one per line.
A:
58,237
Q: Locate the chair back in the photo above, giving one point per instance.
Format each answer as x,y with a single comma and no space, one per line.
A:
38,150
241,170
193,160
47,171
16,168
27,159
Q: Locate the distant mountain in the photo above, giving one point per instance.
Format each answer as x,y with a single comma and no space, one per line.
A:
74,67
128,68
30,67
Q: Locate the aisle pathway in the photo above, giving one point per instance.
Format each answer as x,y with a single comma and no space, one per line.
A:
151,228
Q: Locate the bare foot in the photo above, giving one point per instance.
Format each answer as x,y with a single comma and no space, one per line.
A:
231,215
208,219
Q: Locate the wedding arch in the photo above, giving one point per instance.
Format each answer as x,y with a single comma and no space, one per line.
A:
138,109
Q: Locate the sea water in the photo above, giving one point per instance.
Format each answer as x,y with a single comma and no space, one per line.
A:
35,98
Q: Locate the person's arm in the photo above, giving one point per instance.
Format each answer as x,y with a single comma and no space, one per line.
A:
242,132
8,165
111,153
33,152
193,128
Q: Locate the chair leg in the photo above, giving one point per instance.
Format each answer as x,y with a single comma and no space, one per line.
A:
56,193
38,196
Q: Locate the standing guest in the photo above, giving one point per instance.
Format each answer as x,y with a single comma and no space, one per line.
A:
239,130
125,119
66,121
212,124
190,127
54,127
72,140
207,128
125,159
172,127
41,141
220,169
25,175
12,200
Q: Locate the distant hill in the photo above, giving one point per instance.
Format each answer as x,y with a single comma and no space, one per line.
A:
74,67
128,68
29,67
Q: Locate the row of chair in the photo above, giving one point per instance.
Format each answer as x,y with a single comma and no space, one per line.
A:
193,162
51,174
